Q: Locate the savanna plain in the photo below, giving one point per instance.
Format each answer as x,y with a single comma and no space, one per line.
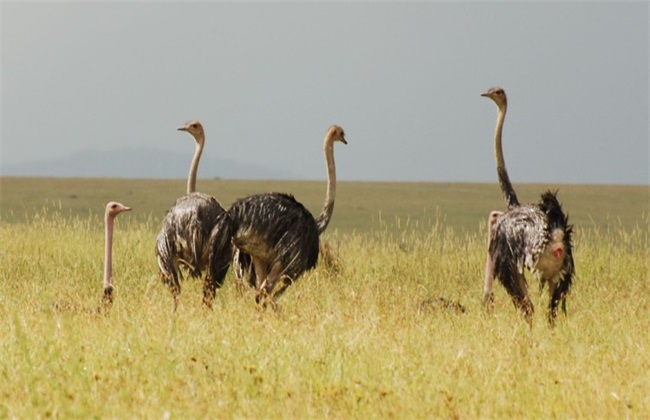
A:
389,324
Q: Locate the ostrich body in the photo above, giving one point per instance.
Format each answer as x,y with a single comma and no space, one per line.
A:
112,209
183,239
532,236
274,236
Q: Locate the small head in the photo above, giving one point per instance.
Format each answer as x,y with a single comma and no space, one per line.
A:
195,129
498,95
336,133
114,208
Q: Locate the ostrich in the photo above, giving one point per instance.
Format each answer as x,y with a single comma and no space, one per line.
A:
535,236
183,239
112,209
274,236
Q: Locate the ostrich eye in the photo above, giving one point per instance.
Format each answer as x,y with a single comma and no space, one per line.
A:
114,206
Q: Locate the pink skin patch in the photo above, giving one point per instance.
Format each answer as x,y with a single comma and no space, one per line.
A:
558,252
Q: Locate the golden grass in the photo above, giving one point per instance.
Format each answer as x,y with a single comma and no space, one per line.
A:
352,338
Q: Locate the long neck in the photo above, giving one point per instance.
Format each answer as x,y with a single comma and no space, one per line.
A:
328,207
194,167
504,181
108,251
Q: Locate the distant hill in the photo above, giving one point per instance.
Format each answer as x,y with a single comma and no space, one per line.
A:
140,163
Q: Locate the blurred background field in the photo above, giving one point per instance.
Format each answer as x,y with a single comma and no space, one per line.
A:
360,206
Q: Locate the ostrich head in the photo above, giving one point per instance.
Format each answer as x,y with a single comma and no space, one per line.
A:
498,95
336,133
195,129
114,208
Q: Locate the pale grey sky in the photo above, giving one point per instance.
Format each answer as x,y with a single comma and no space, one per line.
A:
267,79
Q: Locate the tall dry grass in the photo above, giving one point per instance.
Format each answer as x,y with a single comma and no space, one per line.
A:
363,335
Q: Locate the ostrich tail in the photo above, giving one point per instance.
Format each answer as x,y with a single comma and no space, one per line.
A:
555,216
557,219
221,247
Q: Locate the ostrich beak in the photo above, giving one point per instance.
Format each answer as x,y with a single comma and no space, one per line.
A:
122,210
482,94
343,140
182,128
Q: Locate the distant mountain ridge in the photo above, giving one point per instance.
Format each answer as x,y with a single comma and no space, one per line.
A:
140,163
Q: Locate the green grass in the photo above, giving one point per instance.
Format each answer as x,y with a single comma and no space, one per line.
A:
352,338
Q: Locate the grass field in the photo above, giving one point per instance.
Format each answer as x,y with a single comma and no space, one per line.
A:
360,206
361,336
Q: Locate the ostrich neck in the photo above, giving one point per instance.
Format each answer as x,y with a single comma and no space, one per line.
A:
194,167
498,149
504,180
108,251
328,207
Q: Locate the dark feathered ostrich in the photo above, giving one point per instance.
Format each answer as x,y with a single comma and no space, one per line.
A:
532,236
274,236
183,239
112,210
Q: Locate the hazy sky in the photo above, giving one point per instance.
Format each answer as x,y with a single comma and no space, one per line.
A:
267,79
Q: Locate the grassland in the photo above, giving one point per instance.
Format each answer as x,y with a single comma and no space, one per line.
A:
360,206
353,338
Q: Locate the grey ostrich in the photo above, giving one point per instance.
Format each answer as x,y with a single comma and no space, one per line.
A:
112,210
183,239
533,236
274,236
